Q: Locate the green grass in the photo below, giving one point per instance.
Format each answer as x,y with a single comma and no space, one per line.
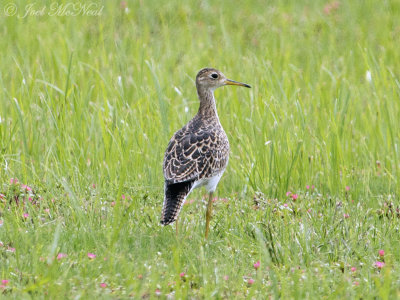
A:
90,145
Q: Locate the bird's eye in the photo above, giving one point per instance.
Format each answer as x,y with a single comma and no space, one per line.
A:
214,75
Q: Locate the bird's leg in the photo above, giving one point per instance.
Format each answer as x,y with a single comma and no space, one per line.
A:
208,213
176,226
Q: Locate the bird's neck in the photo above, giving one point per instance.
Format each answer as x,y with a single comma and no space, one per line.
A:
207,103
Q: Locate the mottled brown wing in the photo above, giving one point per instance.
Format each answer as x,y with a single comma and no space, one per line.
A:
191,156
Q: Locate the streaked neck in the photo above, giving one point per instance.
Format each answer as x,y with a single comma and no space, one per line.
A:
207,103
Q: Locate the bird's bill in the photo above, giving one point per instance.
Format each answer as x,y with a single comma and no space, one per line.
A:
233,82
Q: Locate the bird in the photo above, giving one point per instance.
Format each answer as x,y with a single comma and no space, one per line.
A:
197,154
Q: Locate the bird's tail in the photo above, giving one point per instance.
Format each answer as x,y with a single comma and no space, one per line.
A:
175,195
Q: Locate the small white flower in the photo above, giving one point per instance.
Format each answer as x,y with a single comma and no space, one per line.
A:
285,207
119,80
23,81
368,76
186,109
267,142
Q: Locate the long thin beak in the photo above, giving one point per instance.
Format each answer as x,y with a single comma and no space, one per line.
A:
233,82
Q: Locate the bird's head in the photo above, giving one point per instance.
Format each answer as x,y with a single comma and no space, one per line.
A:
209,78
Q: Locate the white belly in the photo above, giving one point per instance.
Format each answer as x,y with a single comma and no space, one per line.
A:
209,183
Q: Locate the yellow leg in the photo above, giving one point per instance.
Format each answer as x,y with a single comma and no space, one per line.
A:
208,213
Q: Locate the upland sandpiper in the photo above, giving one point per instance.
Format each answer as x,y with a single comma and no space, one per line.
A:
197,154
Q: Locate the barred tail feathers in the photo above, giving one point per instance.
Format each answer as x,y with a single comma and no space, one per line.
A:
175,195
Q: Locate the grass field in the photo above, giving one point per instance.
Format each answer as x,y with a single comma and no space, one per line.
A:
89,102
